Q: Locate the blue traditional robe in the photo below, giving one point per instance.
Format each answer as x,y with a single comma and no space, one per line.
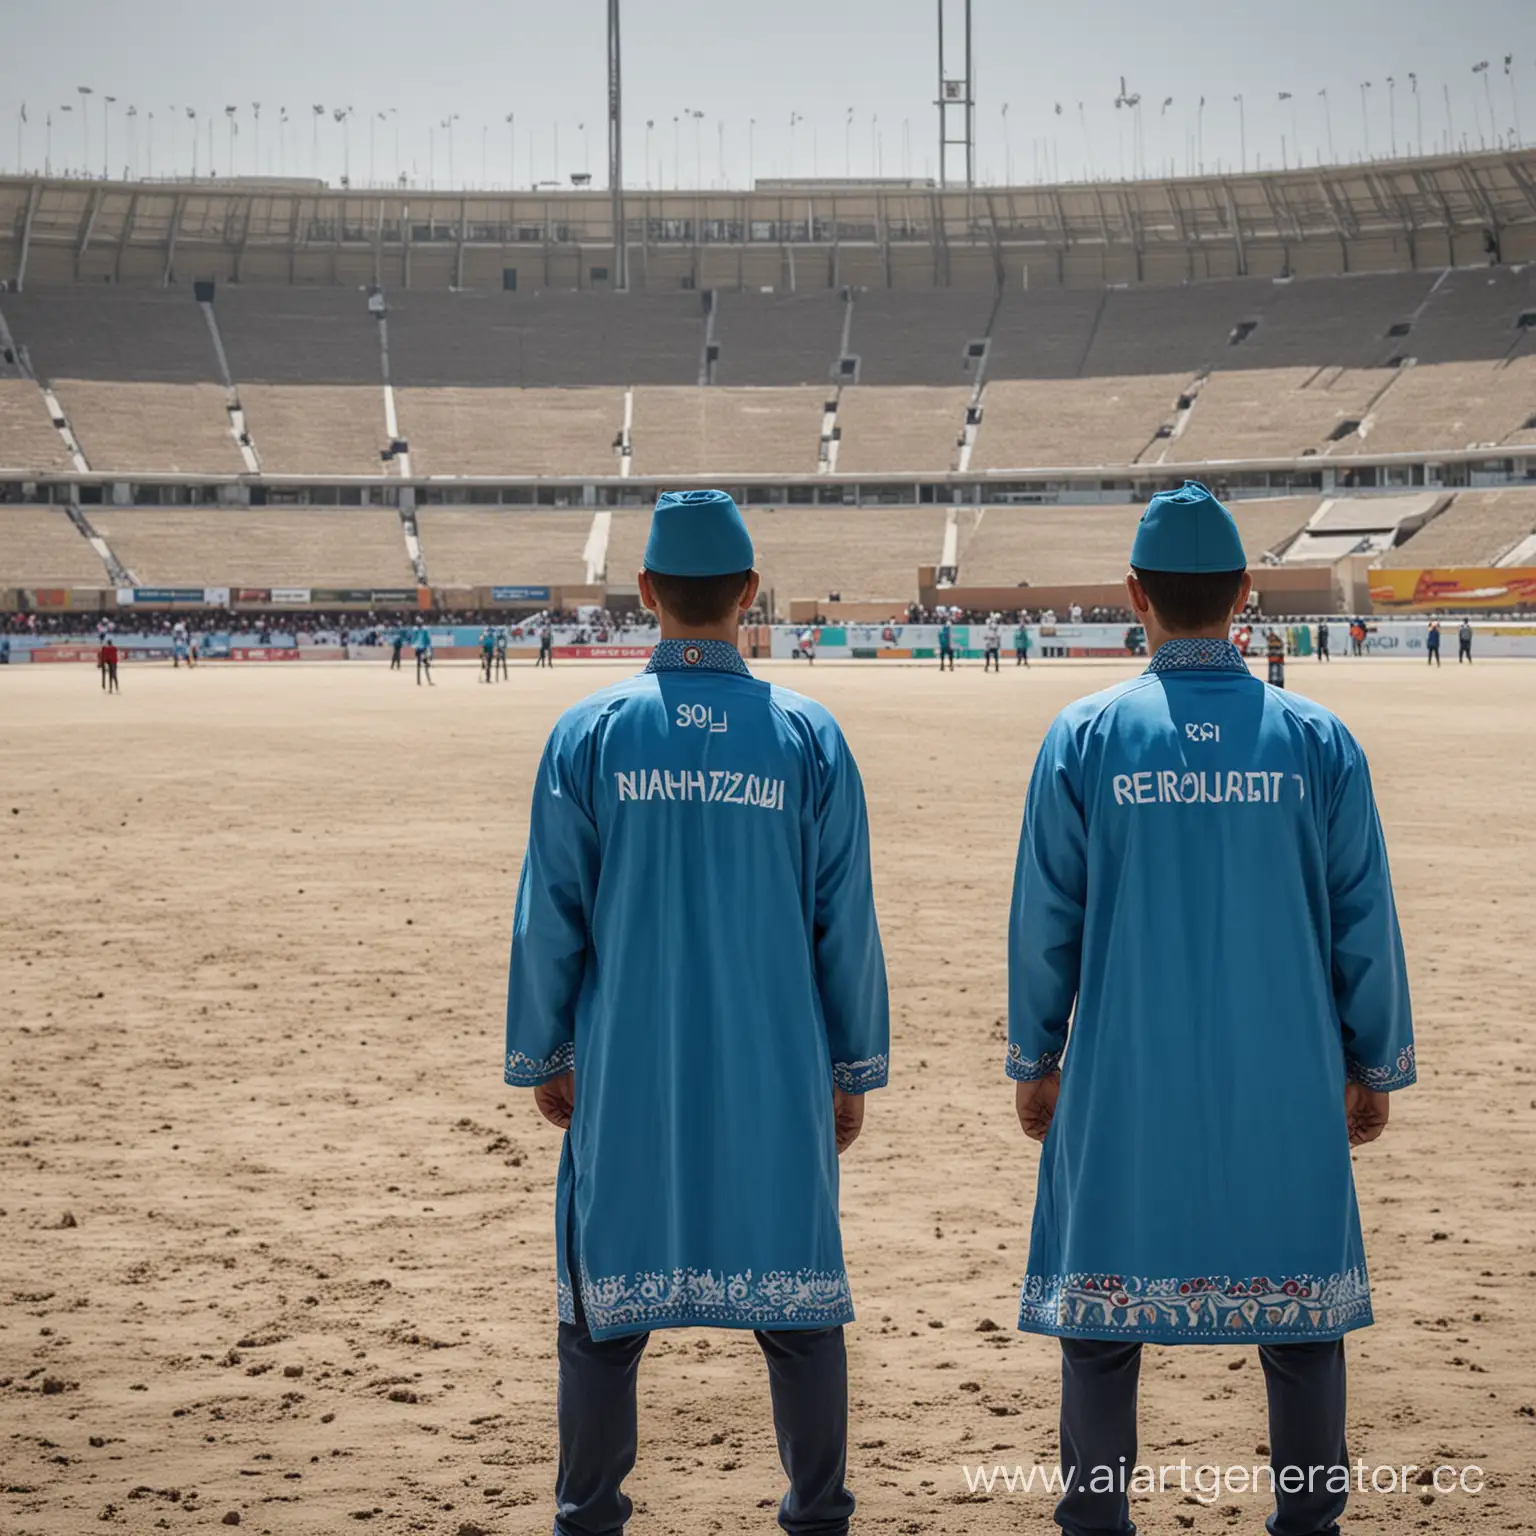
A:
1195,1183
695,934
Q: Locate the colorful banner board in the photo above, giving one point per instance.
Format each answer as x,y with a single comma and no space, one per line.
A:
519,594
1454,588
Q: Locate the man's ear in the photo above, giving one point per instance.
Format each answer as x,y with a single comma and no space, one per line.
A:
1245,588
749,592
647,591
1137,593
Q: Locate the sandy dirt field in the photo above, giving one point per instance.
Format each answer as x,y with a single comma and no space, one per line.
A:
276,1243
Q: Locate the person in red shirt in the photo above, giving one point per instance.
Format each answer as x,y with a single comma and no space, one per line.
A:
106,662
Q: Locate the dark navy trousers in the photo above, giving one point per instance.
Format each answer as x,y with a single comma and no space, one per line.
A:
1305,1386
808,1381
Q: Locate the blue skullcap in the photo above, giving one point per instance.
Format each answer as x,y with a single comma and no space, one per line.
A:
1187,530
697,533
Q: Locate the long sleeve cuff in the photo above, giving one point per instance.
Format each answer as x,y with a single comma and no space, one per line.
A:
1398,1073
528,1072
1029,1069
861,1076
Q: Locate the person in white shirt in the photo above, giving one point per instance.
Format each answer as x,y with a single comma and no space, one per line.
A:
992,646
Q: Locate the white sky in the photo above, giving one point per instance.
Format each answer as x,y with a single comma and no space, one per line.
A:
420,62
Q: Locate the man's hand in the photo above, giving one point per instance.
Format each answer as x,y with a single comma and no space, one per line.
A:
847,1117
1365,1112
556,1100
1036,1104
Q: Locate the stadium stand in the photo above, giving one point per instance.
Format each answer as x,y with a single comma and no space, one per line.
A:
316,429
1171,330
1044,546
858,552
1338,321
1048,422
151,428
511,431
464,547
900,427
1361,525
685,431
262,547
775,339
545,339
40,547
1476,529
1473,312
147,335
1271,413
1453,405
308,336
28,439
916,338
1044,334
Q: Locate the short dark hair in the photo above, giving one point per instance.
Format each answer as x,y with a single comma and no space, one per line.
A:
1185,600
699,599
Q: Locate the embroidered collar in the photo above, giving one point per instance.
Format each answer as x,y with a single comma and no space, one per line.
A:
696,656
1200,655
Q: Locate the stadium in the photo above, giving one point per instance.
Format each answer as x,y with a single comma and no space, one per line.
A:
278,1242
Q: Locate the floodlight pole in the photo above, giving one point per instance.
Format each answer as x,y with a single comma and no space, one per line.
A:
616,151
956,96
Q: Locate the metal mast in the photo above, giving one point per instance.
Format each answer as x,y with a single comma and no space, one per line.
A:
616,152
956,100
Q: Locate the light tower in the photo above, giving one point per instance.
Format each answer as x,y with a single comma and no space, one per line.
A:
616,152
957,101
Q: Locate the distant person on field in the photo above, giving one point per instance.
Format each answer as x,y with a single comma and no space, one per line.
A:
992,645
501,653
1021,644
1251,1056
1322,641
487,653
421,643
1274,649
707,1057
546,657
946,645
1464,643
805,641
1432,644
1357,637
396,646
106,660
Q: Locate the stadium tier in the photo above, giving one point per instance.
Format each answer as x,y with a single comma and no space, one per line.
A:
692,431
148,429
28,437
1477,529
1273,413
1453,405
491,431
40,547
298,547
316,429
467,548
1076,421
900,427
777,338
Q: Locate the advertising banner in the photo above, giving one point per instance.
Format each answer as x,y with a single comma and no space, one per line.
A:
216,597
253,594
603,652
1455,587
520,594
162,596
264,653
298,596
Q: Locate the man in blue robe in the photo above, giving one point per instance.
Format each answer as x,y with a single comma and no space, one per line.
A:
698,995
1195,1185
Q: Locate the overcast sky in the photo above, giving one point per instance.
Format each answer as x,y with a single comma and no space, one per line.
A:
799,68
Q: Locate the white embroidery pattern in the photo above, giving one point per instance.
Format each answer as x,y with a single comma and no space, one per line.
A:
528,1072
694,1297
861,1076
565,1302
1028,1069
1398,1074
1301,1306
